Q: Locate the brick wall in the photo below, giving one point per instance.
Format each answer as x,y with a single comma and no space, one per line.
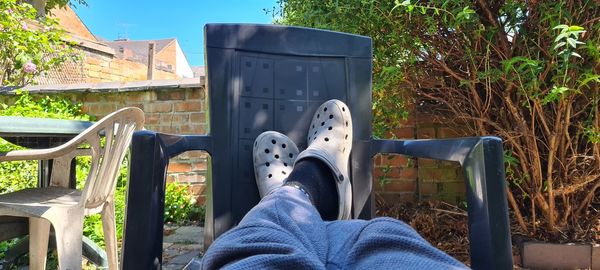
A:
70,22
179,107
99,63
168,56
106,68
175,106
400,178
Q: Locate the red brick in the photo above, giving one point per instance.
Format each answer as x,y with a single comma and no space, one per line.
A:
139,97
377,160
173,118
425,133
445,132
427,163
199,166
170,95
395,160
428,188
188,106
454,188
102,109
193,154
170,178
401,186
191,178
449,164
197,189
429,174
179,167
425,118
92,98
382,172
159,107
137,105
197,118
192,129
194,93
404,132
407,173
166,129
152,118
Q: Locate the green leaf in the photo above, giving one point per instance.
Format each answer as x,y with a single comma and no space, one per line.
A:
560,36
575,28
576,54
561,26
560,44
572,42
555,94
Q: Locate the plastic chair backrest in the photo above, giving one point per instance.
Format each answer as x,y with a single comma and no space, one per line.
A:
268,77
109,139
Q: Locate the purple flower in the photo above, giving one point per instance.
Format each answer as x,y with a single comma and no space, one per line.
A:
10,11
29,67
24,26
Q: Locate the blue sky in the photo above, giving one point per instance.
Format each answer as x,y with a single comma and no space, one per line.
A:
183,19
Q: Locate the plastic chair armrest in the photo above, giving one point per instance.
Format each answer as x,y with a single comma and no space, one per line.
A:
143,230
482,161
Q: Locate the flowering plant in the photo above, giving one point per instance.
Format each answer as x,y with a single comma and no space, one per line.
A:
28,47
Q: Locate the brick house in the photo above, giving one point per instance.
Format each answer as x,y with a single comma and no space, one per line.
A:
168,55
101,62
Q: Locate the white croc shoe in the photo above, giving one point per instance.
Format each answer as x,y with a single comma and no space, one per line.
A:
274,156
330,140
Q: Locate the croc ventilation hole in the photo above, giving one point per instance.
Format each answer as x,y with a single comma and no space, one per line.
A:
270,175
283,172
325,109
268,164
330,128
276,156
291,155
267,151
326,139
273,142
331,116
283,145
284,164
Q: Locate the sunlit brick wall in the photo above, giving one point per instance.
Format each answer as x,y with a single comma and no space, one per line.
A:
399,178
171,107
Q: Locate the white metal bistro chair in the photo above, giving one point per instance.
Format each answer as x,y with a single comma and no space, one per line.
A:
64,207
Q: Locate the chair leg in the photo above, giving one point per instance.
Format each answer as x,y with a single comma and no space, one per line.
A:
110,234
39,233
69,237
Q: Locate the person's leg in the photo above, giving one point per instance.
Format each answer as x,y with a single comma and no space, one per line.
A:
284,230
382,243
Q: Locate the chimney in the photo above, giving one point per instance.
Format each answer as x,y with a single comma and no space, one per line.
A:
150,75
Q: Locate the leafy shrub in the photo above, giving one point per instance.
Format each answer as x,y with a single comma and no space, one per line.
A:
526,71
180,205
28,47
